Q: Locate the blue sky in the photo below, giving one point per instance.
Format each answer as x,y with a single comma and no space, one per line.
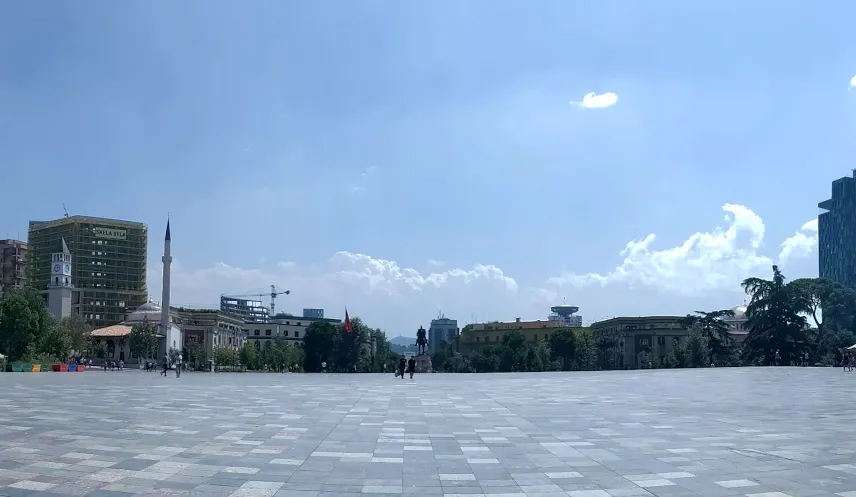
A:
297,144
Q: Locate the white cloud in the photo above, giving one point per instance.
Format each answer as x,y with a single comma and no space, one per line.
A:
381,291
803,243
702,272
719,259
594,101
362,181
433,262
853,82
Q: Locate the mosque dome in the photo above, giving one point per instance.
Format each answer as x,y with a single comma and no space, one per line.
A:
148,310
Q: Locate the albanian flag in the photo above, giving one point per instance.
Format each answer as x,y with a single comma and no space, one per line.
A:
347,321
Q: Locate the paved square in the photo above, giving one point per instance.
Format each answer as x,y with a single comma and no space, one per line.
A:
715,432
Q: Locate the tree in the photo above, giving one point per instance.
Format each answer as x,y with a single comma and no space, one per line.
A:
563,344
712,326
319,342
78,332
248,356
774,319
24,323
144,339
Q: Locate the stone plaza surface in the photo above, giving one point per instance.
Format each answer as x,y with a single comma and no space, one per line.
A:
763,432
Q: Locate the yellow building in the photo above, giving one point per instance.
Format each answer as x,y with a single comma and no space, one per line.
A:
640,338
475,336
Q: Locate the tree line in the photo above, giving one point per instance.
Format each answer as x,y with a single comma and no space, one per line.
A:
805,319
29,334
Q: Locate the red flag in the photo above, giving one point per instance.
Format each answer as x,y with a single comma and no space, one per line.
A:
347,322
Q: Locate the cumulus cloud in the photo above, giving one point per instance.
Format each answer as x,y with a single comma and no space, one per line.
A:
594,101
380,290
853,82
718,259
803,243
705,270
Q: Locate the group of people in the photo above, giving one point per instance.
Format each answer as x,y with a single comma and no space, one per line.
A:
179,365
403,363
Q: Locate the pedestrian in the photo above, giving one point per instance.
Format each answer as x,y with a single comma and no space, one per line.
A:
777,357
411,366
165,365
178,363
402,363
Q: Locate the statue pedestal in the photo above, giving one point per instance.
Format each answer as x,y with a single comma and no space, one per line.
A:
423,363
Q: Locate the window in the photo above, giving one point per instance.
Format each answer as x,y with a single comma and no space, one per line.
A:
477,339
285,333
296,334
256,332
535,337
267,333
661,340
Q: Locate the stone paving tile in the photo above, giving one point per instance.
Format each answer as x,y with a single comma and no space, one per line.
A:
763,432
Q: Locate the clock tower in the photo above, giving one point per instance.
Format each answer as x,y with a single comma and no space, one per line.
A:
60,287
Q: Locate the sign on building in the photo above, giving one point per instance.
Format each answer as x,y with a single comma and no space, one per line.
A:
110,233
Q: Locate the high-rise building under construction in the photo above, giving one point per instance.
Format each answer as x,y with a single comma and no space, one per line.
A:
108,271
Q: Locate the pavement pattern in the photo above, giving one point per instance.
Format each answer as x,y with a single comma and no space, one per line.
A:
759,432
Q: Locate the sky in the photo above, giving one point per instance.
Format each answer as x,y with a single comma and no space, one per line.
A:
483,159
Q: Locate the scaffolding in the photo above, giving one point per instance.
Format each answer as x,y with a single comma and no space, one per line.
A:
108,264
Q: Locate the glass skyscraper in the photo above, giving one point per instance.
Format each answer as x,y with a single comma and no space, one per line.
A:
837,233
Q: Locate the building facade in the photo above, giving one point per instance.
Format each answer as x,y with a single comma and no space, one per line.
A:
13,258
476,336
640,339
291,329
442,330
837,233
248,311
210,328
109,270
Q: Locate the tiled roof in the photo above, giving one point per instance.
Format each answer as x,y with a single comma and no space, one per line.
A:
117,330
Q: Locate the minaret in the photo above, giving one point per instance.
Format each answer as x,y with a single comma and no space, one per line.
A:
167,261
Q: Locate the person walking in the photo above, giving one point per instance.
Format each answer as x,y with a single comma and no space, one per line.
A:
411,366
165,365
178,363
402,363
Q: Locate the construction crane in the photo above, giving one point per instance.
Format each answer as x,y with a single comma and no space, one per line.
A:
66,210
273,293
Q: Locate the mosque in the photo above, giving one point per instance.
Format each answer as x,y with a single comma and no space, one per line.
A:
170,336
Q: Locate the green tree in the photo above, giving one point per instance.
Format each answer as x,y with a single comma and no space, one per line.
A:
144,339
774,320
248,356
586,355
712,326
54,343
78,332
24,323
319,342
563,345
